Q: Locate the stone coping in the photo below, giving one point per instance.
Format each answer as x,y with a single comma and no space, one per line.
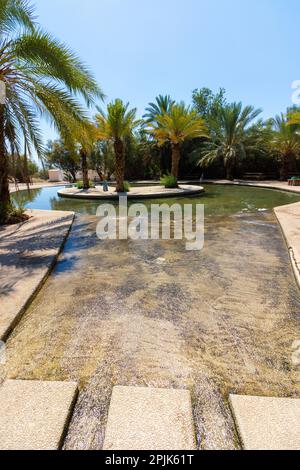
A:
267,423
150,419
289,219
148,192
28,252
272,184
23,187
35,414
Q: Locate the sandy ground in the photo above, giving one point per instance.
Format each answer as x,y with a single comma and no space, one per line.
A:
152,314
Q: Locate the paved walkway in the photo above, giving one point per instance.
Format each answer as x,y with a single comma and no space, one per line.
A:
22,187
267,423
27,253
289,220
227,337
150,419
281,185
35,414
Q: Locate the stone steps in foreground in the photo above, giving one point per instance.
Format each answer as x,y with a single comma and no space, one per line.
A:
265,423
34,415
150,419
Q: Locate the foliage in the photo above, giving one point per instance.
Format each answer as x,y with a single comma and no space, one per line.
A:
102,160
141,156
228,142
169,181
59,156
118,122
80,185
43,77
179,124
208,105
43,174
285,142
116,125
15,215
126,187
157,109
21,169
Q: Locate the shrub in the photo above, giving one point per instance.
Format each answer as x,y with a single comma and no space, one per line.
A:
126,187
43,174
16,215
79,184
169,181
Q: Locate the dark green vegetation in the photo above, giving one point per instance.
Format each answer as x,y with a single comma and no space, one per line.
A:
169,181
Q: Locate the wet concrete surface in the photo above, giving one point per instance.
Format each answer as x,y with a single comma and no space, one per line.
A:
150,313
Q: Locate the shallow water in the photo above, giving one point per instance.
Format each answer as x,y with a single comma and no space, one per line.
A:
149,313
218,200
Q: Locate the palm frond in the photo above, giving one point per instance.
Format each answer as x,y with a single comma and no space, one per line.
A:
44,56
16,13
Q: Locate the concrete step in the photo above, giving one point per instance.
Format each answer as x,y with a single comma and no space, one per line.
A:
150,419
267,423
34,415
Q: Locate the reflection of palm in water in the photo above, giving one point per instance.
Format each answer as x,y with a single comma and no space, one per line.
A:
22,198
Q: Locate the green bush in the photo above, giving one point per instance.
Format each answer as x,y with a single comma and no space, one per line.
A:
169,181
126,187
43,174
79,184
16,215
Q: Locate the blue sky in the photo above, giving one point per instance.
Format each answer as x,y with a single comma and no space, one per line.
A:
138,49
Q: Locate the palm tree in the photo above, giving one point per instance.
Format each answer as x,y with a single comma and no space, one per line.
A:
102,159
230,135
161,105
285,142
117,125
85,137
179,124
42,78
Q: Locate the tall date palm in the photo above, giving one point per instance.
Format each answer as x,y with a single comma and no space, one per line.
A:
42,78
161,106
285,142
179,124
232,124
116,125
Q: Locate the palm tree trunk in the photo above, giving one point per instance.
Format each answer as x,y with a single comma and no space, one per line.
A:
73,176
4,188
288,165
229,167
175,160
120,165
85,170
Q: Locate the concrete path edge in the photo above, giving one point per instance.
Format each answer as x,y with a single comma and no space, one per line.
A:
288,237
38,287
